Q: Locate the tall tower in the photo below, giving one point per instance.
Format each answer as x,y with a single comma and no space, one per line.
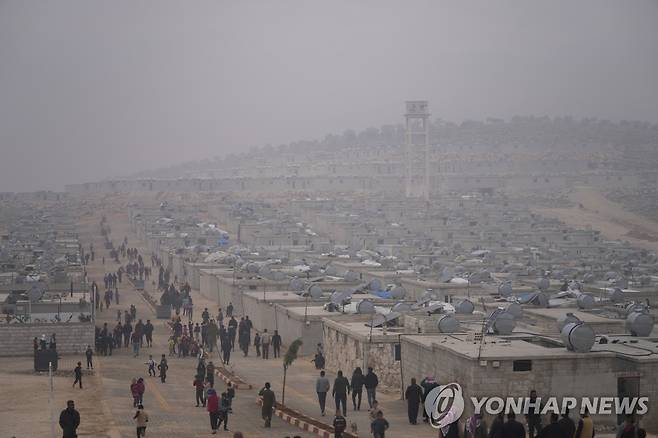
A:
417,141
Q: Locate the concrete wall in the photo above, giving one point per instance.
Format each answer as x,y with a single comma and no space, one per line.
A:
72,338
291,326
346,350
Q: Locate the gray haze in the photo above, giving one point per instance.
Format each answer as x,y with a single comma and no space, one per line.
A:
90,89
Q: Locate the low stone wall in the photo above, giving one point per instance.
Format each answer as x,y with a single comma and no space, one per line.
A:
72,337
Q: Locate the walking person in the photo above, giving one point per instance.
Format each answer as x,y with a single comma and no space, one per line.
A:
265,340
141,418
340,390
257,344
224,408
512,428
163,367
533,416
198,385
89,353
69,420
276,344
322,388
340,424
358,380
379,426
585,427
476,427
151,365
78,375
212,406
268,399
371,382
413,395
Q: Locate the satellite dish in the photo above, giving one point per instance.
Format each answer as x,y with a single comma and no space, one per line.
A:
639,323
505,289
265,271
278,276
341,298
36,291
501,322
365,307
421,302
331,271
616,295
446,275
448,324
543,283
515,310
401,307
315,291
379,320
578,337
588,278
568,318
351,276
375,285
297,284
540,299
465,307
398,293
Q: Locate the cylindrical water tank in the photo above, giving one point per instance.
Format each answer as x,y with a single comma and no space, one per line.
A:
515,310
616,295
365,306
296,284
351,276
585,301
401,307
504,324
398,292
578,337
315,291
375,285
464,307
252,268
568,318
505,289
448,324
543,283
639,323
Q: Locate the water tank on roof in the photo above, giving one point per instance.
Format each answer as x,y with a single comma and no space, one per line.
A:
568,318
251,268
375,284
504,323
315,291
398,292
365,307
543,283
585,301
351,276
465,307
505,289
639,323
578,337
448,324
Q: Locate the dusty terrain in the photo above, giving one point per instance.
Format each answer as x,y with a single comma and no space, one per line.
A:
594,210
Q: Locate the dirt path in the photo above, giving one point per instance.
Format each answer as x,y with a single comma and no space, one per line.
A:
610,218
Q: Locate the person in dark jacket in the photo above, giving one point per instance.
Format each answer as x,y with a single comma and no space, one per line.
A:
428,384
340,391
269,399
276,343
78,375
496,430
69,420
212,406
371,382
163,367
567,425
89,353
513,429
340,424
553,429
358,380
533,417
413,395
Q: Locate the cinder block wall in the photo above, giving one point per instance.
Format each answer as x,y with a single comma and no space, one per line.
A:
16,339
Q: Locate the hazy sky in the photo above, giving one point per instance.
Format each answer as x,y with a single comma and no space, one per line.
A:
92,88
